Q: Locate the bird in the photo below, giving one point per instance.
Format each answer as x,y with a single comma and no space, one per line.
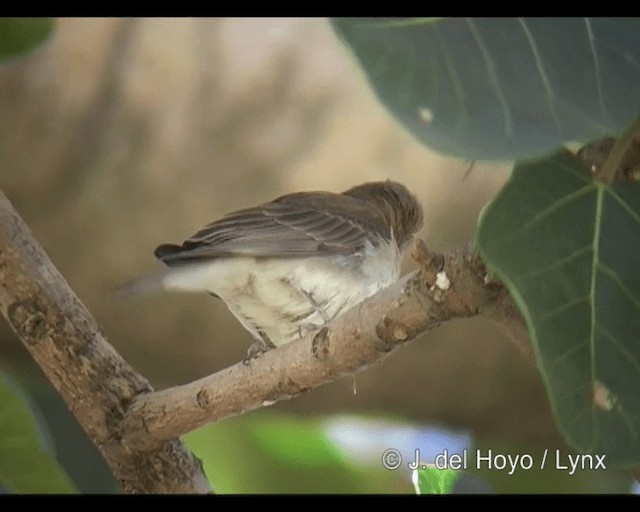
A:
287,267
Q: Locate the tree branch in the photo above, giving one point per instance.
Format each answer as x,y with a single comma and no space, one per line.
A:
136,428
92,378
619,157
447,286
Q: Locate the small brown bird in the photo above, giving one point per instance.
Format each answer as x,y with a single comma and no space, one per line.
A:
287,267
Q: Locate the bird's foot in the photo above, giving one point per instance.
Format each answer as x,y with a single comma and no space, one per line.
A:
309,328
261,345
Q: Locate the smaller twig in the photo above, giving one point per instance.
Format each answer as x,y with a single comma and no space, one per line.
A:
472,164
500,308
611,168
447,286
429,263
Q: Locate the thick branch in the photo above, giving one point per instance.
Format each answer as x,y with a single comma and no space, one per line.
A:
449,286
93,379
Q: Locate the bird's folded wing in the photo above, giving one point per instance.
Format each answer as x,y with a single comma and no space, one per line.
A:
296,225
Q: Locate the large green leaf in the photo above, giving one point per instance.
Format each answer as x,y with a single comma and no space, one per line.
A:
501,88
26,466
21,35
568,249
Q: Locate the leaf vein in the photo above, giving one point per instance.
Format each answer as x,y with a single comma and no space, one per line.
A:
493,77
556,264
542,214
634,215
621,348
554,207
456,83
568,353
612,274
592,293
543,74
564,307
596,67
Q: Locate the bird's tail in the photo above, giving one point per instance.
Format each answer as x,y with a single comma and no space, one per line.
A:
184,278
146,285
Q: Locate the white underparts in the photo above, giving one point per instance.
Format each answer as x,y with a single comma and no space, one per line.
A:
289,297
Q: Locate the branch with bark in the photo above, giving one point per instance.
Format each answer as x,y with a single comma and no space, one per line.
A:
445,287
96,383
136,428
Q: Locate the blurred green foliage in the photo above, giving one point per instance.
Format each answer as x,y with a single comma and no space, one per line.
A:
27,462
431,480
270,452
22,35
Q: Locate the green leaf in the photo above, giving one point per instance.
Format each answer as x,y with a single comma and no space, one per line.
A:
501,88
21,35
567,248
25,464
431,480
299,441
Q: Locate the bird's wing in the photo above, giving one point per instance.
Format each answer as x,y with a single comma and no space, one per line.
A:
295,225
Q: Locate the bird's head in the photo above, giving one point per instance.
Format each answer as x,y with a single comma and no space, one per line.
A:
400,208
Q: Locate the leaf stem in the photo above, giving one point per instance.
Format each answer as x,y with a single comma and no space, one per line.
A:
608,171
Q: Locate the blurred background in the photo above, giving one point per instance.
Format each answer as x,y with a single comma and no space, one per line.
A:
121,134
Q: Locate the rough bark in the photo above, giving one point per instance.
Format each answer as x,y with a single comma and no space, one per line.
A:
447,286
92,378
